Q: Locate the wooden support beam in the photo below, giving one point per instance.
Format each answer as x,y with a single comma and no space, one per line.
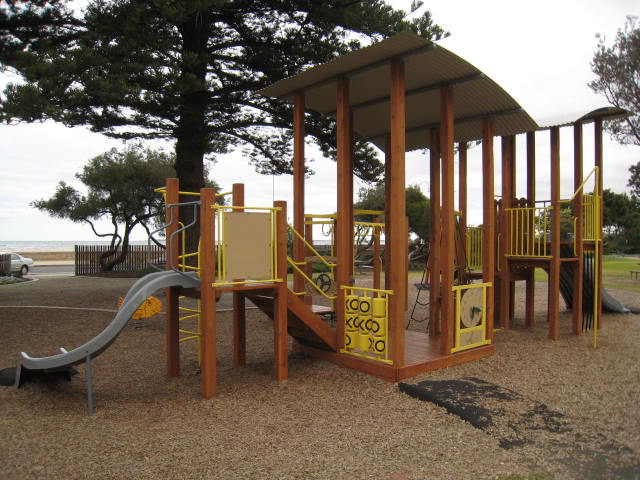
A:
488,222
239,311
504,307
377,252
448,219
435,233
462,190
388,240
598,147
554,265
578,213
172,334
514,194
298,186
344,223
280,334
396,221
350,192
530,289
208,293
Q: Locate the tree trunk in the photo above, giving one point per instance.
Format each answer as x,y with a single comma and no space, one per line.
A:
191,134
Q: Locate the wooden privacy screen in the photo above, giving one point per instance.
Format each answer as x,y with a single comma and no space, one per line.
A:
247,238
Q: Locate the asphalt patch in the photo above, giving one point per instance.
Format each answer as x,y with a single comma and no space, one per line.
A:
516,421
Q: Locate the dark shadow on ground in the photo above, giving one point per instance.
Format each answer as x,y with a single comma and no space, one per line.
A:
516,421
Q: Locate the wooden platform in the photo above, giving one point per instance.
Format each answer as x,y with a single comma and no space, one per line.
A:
422,355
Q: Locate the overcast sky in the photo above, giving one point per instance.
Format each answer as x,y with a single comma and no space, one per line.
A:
539,52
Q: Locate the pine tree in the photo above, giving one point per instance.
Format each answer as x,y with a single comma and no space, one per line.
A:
186,70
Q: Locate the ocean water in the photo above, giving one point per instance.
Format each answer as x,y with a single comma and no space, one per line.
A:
50,245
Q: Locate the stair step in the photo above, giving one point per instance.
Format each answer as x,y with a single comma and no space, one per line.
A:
303,321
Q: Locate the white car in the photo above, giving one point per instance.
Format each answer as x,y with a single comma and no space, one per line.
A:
19,263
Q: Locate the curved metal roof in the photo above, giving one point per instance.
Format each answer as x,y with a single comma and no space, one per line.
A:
428,66
606,113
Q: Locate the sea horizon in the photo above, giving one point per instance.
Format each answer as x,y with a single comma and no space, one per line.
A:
52,245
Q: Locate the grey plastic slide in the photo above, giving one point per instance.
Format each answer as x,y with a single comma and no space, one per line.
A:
136,295
611,304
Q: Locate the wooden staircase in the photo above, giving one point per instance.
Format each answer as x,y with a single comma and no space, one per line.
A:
303,324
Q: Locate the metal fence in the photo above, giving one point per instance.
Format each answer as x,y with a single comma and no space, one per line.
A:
87,258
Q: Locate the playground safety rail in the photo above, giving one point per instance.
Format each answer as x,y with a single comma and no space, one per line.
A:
474,247
528,227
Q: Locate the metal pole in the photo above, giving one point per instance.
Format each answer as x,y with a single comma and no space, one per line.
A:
89,386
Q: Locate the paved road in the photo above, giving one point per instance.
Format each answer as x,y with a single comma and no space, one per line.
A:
51,270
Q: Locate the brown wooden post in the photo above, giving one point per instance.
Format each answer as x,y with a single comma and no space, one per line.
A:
396,223
554,266
208,292
514,194
388,241
172,334
434,234
530,287
239,312
505,240
462,192
377,261
448,219
298,187
488,222
344,223
599,163
350,193
280,335
578,213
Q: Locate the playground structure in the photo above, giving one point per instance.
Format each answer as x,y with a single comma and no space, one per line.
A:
243,250
366,91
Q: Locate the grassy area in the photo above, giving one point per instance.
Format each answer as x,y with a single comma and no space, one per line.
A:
615,271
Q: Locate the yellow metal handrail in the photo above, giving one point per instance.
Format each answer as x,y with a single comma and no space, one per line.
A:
309,280
310,247
473,247
528,228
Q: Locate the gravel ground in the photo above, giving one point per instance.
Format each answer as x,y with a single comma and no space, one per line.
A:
324,422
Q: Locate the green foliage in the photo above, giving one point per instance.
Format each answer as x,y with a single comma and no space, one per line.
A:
417,207
634,181
120,187
186,70
618,79
621,222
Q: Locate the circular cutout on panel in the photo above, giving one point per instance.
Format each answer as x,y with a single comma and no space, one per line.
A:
471,307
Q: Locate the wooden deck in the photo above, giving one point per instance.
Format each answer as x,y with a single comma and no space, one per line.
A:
422,354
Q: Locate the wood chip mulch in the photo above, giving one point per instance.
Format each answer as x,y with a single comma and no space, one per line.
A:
324,422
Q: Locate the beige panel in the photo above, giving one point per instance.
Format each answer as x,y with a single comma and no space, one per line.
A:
248,245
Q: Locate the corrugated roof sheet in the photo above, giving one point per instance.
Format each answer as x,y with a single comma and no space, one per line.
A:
606,113
427,67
